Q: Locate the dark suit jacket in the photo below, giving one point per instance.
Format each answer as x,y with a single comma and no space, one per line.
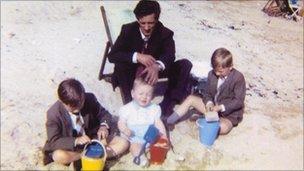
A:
160,45
59,127
232,94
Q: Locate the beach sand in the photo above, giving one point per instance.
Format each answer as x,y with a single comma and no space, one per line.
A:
43,43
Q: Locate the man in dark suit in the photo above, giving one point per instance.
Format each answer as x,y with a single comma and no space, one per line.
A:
146,47
226,90
73,121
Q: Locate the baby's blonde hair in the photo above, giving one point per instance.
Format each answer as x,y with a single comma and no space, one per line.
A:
140,81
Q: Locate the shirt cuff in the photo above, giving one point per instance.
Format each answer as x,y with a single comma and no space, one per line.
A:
223,108
105,124
161,65
134,57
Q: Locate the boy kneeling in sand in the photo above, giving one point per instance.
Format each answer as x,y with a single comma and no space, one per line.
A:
73,121
225,93
136,116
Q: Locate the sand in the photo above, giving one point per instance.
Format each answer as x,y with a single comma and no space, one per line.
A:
43,43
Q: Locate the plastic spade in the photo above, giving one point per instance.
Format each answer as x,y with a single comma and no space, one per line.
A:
150,137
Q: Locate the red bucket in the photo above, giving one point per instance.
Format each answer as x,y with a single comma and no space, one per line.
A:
158,151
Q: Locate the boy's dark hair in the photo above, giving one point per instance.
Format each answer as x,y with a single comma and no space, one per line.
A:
147,7
221,57
71,92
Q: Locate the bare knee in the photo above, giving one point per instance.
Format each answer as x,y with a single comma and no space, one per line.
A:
225,126
224,130
61,156
65,157
190,99
119,145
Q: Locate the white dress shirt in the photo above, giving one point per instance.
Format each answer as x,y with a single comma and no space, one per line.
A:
134,57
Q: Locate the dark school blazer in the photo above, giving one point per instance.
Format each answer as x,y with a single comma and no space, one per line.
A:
59,126
232,94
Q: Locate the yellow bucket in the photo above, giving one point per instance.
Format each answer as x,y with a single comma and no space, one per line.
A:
89,163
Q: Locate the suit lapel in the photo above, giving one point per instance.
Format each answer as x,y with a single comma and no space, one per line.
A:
138,42
226,83
154,41
86,119
66,120
213,85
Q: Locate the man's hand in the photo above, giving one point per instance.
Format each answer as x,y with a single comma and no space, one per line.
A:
146,60
209,106
152,74
102,132
82,140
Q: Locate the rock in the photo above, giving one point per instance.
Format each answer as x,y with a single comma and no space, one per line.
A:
11,35
75,11
251,85
77,40
234,28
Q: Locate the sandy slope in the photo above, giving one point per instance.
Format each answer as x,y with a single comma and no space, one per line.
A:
44,42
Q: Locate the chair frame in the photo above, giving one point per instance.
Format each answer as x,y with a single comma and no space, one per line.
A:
109,44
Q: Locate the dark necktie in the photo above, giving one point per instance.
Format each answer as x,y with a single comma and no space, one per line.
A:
145,45
140,68
80,124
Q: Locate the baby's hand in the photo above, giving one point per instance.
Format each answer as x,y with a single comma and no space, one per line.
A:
162,142
128,133
164,137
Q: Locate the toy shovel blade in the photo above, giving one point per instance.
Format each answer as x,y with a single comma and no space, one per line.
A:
150,137
151,134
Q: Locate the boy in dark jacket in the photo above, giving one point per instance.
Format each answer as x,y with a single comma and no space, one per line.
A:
73,121
226,90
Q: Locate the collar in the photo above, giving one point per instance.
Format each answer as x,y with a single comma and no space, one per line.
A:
137,106
75,114
142,35
223,78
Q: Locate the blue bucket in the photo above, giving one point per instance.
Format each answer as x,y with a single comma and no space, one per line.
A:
208,131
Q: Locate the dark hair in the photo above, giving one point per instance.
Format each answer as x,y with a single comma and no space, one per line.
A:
221,57
71,92
147,7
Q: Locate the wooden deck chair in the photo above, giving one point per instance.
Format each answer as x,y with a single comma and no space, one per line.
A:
279,8
109,44
297,11
161,84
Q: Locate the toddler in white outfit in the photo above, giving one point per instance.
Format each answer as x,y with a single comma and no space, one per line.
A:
136,117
